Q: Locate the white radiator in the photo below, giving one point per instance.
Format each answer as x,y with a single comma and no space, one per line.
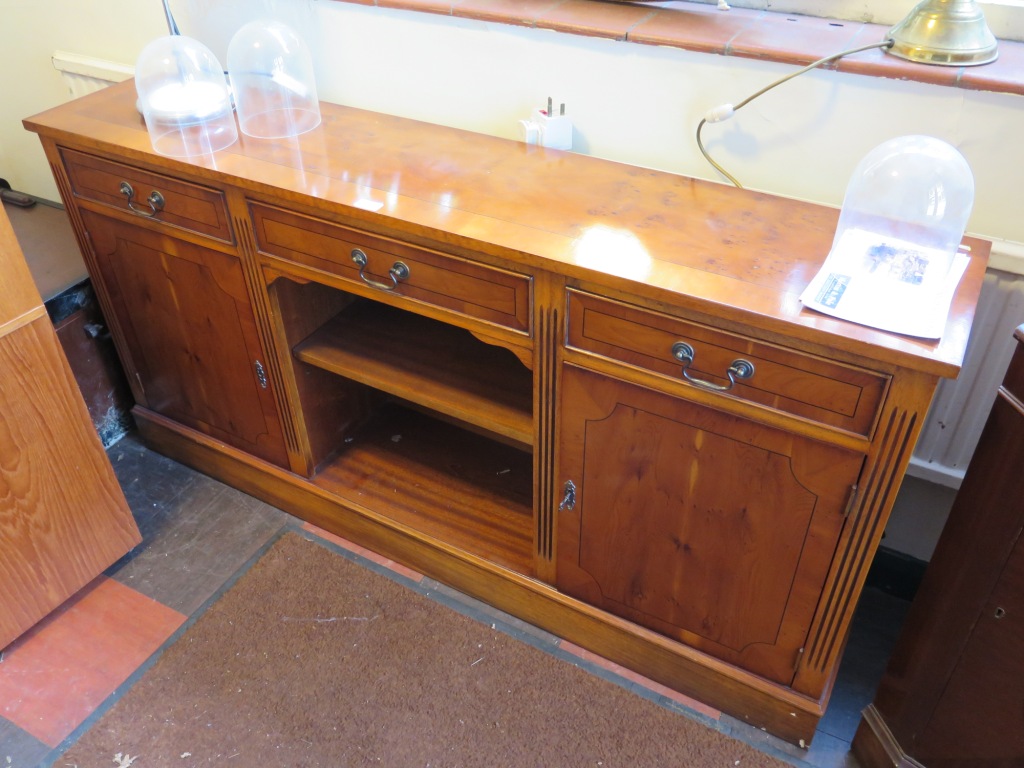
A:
85,74
961,407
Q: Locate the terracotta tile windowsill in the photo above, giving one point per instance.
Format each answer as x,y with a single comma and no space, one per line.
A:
764,35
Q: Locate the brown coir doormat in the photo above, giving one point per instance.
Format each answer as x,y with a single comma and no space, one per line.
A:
311,659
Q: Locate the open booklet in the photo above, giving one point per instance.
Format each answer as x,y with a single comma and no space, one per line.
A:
887,283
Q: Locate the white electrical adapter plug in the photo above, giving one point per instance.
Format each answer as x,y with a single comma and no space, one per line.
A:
547,129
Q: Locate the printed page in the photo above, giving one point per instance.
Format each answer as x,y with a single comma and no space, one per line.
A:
886,283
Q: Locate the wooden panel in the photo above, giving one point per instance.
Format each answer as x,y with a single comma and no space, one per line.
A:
703,526
437,279
63,518
429,363
828,392
190,342
191,206
980,717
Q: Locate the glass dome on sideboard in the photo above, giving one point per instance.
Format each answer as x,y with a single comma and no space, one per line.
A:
272,78
912,193
184,97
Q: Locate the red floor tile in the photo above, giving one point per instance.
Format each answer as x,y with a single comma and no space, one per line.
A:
55,676
364,552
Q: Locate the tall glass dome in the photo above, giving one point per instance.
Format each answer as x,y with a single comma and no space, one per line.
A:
272,78
915,190
184,97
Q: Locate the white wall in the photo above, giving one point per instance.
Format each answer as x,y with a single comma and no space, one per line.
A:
30,32
633,103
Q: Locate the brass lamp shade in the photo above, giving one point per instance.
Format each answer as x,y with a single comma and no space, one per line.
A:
948,32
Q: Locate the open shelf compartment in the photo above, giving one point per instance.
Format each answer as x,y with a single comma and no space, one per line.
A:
443,481
427,362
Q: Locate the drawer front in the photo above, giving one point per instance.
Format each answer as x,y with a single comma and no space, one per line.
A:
149,195
479,291
830,393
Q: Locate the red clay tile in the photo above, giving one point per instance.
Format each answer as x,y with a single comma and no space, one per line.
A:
700,28
1004,75
794,39
521,12
55,675
593,19
364,552
647,683
443,7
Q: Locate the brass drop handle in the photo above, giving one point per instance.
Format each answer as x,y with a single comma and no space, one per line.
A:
740,369
398,272
155,201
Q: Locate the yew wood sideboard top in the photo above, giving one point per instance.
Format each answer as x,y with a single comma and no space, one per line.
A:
738,255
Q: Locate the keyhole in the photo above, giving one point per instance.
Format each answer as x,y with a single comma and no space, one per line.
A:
1000,612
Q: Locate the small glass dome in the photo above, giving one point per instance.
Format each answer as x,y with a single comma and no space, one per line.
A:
184,97
272,78
909,191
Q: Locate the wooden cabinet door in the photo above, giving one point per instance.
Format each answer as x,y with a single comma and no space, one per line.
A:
187,334
708,528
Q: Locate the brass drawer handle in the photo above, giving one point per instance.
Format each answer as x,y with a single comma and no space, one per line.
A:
155,201
397,273
740,368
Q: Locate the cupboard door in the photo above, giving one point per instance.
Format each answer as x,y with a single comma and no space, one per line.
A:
705,527
187,335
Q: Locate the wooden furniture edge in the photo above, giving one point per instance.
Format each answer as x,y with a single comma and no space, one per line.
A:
783,712
875,746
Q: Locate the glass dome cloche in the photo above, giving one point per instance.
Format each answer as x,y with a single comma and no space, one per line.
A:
912,191
895,261
184,98
272,78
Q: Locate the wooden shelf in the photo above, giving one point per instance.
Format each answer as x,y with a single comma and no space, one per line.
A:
429,363
448,483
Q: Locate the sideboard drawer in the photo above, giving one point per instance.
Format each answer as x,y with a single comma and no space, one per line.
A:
149,195
812,387
472,289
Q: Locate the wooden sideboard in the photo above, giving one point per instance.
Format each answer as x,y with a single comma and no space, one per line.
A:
63,517
953,693
460,351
